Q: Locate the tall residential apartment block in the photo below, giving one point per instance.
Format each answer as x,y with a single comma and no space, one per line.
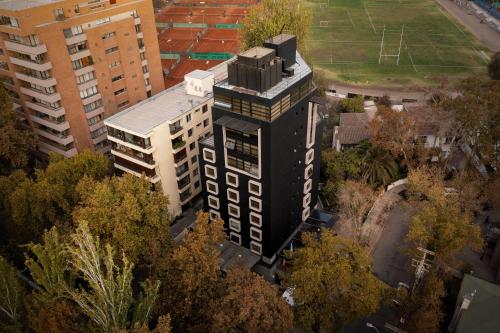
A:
69,64
260,169
158,138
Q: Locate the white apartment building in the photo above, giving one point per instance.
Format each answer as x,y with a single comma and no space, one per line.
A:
158,138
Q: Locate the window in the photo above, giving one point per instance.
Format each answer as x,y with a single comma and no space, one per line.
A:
255,234
213,202
209,155
212,187
234,224
77,47
147,82
307,186
305,213
143,55
114,64
190,132
205,108
188,118
120,91
255,219
197,184
116,78
59,13
83,62
255,204
233,210
85,77
192,146
112,49
310,156
206,122
210,171
145,69
95,120
198,125
194,159
88,92
254,188
214,215
122,104
307,200
256,248
308,171
92,106
235,238
232,179
108,35
98,132
233,195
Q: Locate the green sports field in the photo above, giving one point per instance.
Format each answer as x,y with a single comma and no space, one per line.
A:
390,42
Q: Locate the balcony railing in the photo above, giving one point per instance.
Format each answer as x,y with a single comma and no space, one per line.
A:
175,129
178,144
181,170
185,195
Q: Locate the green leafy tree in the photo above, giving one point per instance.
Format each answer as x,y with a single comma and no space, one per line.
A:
271,17
494,67
12,294
106,298
354,104
338,166
379,168
15,141
250,304
425,306
193,283
332,282
124,212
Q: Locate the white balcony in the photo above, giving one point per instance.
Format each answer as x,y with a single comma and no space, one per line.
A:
41,82
51,98
137,21
96,126
148,87
46,109
48,148
25,49
91,99
51,124
153,180
63,140
134,160
100,138
31,64
80,55
146,75
149,150
140,35
87,84
95,112
144,62
84,70
76,39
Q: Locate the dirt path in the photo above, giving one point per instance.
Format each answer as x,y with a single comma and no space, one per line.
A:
489,37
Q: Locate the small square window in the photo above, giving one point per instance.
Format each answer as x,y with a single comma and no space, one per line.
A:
234,224
233,210
212,187
308,186
255,234
188,118
192,146
255,204
209,155
190,132
235,238
307,200
254,188
205,108
206,122
310,156
194,159
233,195
256,248
196,172
214,215
232,179
197,184
210,171
305,213
308,171
255,219
213,202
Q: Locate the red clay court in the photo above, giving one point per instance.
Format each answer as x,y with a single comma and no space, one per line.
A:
216,45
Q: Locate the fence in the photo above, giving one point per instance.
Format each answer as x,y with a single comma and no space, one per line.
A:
492,8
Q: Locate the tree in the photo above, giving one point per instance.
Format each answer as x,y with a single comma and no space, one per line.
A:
354,104
395,132
38,204
379,167
338,166
250,304
12,294
15,141
271,17
425,306
106,298
355,200
332,282
60,316
494,67
192,285
163,326
124,212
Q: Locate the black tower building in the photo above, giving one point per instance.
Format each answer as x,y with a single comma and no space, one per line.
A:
260,169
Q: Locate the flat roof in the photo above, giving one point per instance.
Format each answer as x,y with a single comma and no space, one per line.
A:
233,255
163,107
279,39
25,4
256,52
198,74
237,124
301,69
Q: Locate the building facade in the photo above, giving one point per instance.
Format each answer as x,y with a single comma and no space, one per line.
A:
260,169
158,138
69,64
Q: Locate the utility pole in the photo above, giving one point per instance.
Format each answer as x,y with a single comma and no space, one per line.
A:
422,265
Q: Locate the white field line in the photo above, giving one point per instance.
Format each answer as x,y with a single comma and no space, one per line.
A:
381,46
350,18
411,58
400,42
370,18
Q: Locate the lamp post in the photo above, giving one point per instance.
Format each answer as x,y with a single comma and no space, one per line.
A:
372,326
